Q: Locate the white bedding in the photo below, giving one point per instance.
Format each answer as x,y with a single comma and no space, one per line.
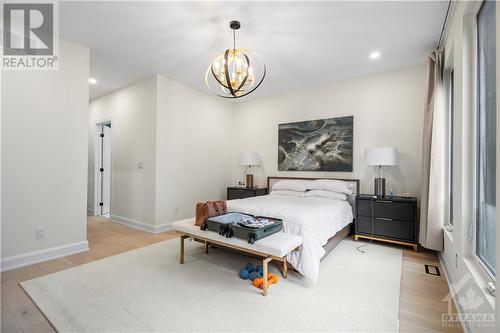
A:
315,219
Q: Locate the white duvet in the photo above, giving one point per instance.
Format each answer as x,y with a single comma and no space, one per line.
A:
315,219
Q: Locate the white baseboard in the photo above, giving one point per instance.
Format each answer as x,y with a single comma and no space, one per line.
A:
141,225
90,210
451,287
36,257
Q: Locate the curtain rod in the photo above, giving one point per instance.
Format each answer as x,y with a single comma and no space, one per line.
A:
444,25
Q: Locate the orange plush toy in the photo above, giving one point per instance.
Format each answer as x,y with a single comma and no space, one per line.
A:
271,279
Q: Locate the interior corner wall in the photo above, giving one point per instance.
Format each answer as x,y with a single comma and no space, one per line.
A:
194,149
388,111
44,156
132,111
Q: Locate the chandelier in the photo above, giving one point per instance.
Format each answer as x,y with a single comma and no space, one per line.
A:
236,72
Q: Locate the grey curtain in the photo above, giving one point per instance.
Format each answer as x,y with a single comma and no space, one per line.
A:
433,157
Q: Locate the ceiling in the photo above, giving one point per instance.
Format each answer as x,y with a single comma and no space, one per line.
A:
304,44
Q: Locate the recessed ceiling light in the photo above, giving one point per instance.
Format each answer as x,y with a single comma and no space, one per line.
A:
92,81
375,55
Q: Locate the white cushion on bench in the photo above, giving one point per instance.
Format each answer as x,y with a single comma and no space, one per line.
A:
278,244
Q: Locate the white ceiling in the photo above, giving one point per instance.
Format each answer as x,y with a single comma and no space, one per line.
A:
304,44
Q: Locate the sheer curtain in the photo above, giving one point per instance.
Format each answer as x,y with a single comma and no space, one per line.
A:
433,157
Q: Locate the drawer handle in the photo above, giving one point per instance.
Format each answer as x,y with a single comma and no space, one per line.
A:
383,218
385,201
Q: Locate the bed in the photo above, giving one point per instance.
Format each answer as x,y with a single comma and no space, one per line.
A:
321,222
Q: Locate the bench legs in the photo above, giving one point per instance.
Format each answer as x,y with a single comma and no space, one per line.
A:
264,275
181,254
265,262
285,268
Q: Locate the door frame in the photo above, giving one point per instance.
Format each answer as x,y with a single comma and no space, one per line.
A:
97,165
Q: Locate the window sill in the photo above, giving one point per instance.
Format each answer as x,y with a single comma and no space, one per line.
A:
481,278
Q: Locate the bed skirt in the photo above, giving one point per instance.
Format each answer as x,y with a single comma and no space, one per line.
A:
337,238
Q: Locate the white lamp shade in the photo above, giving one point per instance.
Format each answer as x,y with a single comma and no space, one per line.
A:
249,159
381,156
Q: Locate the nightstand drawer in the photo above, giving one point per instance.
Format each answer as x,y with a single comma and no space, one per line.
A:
383,227
243,192
388,209
239,193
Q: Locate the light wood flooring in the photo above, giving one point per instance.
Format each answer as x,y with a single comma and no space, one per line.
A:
421,297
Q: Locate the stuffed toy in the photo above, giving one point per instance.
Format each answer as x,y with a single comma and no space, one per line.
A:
249,267
271,279
244,274
253,275
250,272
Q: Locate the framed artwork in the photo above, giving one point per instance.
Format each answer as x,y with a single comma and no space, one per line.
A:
316,145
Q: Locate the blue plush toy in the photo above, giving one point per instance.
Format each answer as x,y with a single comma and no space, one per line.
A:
252,276
244,274
249,267
251,272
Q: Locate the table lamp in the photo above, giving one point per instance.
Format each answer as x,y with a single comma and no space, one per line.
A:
249,159
380,157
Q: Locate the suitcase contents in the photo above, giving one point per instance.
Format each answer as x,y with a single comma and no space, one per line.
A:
245,226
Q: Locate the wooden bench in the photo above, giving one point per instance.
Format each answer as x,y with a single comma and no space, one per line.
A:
274,247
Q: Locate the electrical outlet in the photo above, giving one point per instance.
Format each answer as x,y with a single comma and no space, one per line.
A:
40,233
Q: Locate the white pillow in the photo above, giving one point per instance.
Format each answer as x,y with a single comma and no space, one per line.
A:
291,193
326,194
291,184
333,185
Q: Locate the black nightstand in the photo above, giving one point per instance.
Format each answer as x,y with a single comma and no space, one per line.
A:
235,192
395,219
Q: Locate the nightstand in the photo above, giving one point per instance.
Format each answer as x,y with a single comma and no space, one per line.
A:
395,219
235,192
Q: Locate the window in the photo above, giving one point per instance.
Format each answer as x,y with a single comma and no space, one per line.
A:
450,93
486,137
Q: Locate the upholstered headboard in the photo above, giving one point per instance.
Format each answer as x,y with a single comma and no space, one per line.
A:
352,198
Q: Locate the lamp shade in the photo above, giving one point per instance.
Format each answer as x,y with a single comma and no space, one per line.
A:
249,159
381,156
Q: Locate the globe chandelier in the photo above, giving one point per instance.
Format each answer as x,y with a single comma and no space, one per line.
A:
236,72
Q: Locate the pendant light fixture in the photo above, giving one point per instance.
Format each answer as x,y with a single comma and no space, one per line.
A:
236,72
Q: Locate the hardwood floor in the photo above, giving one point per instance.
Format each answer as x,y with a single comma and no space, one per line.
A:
421,296
105,238
421,300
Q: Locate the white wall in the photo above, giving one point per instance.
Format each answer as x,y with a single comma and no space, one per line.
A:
183,137
44,155
132,111
462,269
193,149
387,110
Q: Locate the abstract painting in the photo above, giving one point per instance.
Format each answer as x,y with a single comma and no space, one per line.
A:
316,145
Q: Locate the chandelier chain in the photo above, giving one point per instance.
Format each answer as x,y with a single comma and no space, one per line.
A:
234,40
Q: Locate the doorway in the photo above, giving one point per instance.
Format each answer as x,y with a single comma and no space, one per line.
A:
103,170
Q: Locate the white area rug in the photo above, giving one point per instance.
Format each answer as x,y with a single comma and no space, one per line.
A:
147,290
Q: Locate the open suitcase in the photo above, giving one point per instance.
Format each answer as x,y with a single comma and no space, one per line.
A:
230,225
